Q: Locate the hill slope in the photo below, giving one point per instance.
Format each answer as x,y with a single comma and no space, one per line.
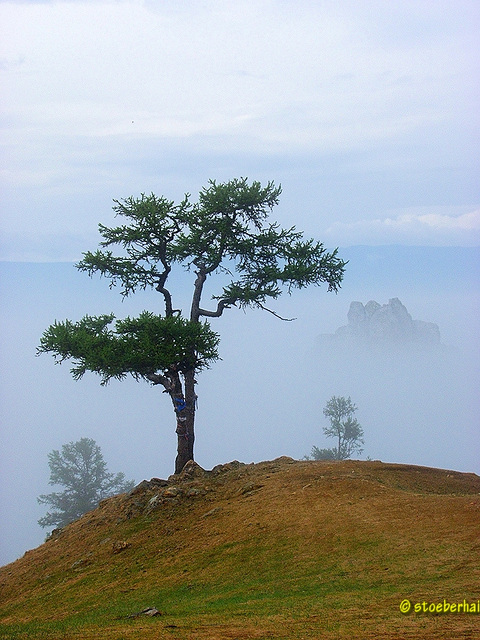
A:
279,549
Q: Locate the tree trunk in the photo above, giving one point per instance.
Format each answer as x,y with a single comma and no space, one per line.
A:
184,402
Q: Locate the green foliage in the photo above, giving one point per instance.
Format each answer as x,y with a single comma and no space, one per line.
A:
139,346
344,427
146,243
226,230
225,214
322,454
81,469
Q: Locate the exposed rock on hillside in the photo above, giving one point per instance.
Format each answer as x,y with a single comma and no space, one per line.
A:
389,322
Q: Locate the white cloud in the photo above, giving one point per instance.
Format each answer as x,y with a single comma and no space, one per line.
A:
100,95
316,75
466,222
412,228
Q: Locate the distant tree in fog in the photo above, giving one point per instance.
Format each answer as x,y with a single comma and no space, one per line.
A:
81,469
228,234
344,427
321,454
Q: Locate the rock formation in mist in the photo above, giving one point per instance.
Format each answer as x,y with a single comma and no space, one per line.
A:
387,323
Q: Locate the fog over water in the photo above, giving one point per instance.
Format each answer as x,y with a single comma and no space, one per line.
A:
264,399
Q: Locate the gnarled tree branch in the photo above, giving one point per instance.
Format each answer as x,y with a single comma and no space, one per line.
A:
222,304
275,314
157,378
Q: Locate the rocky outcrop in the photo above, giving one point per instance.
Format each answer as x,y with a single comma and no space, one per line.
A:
389,322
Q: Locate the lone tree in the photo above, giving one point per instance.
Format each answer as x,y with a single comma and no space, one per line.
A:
344,427
227,234
81,469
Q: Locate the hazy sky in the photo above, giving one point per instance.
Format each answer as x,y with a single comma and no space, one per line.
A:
366,112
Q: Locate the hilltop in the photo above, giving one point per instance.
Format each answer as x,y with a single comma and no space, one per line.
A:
280,549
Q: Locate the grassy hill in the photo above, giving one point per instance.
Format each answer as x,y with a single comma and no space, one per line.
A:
280,549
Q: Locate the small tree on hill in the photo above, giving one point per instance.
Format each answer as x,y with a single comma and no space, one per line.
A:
81,469
226,233
321,454
344,427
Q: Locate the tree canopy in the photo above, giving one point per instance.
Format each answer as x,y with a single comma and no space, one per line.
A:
80,468
344,427
137,346
226,232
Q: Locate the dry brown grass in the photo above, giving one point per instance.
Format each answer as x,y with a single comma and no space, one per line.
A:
279,549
